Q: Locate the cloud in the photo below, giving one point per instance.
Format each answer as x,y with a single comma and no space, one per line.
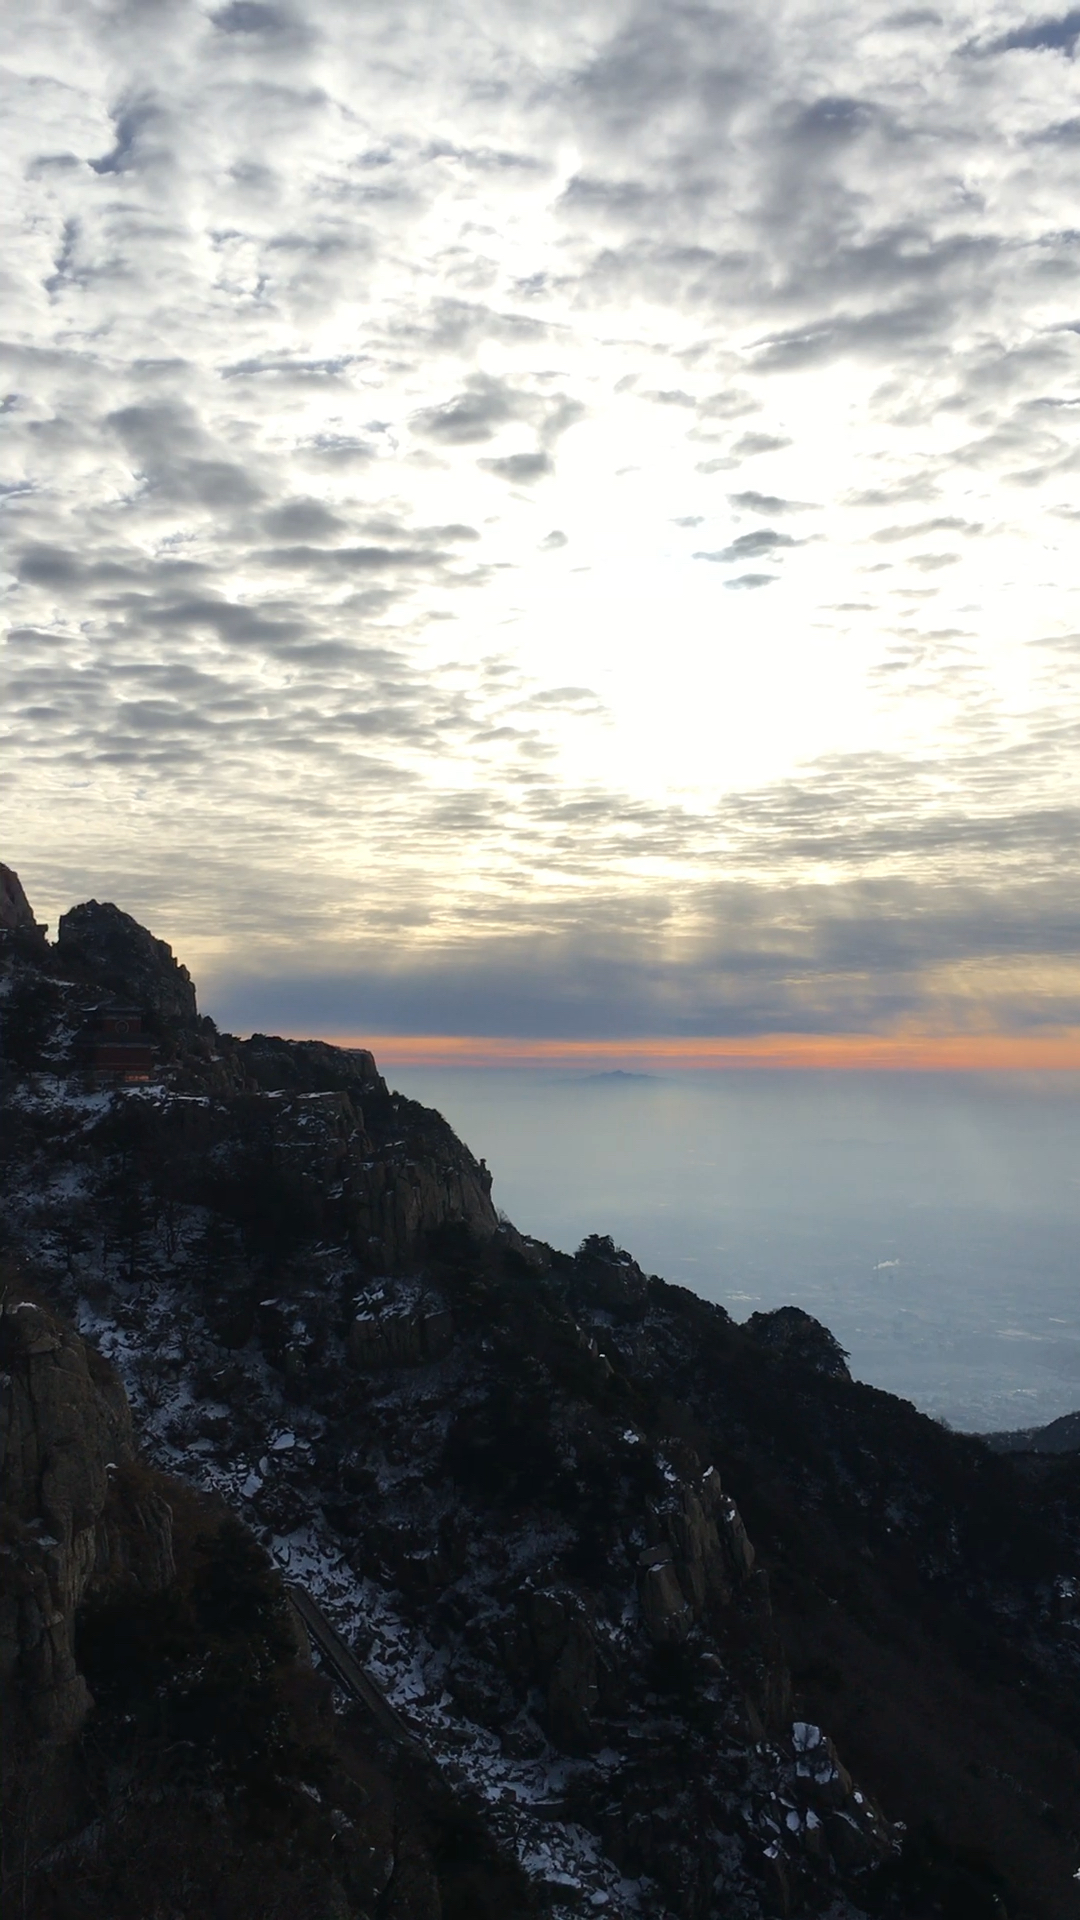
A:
863,957
287,674
749,444
472,416
303,519
254,17
749,546
943,523
831,121
1065,133
175,457
48,566
766,503
131,121
521,468
1059,33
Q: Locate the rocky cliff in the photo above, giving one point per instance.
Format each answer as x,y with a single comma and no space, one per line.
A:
291,1136
64,1429
687,1624
114,950
165,1735
16,915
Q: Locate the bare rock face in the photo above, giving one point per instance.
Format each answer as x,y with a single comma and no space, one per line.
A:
98,1824
134,1536
387,1178
664,1606
400,1198
16,915
699,1555
565,1646
406,1337
128,960
64,1423
312,1066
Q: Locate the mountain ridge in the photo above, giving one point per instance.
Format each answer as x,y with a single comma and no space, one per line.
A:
627,1568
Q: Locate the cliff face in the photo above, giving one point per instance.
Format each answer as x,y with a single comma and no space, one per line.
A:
158,1704
684,1620
280,1137
64,1426
16,915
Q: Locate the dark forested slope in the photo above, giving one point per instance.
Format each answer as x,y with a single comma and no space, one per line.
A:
679,1619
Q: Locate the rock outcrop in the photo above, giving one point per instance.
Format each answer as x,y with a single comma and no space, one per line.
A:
796,1336
201,1679
395,1330
113,949
311,1066
64,1430
16,914
291,1135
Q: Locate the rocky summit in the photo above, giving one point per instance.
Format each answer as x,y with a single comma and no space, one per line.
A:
362,1556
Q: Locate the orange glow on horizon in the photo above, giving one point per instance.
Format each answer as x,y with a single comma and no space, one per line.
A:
1044,1052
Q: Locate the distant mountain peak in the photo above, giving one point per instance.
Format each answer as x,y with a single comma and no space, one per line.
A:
618,1075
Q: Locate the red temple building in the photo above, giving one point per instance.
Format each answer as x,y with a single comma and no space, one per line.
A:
116,1048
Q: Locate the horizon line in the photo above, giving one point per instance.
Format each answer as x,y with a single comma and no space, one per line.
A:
1057,1051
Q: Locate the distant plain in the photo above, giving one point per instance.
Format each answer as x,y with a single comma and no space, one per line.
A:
932,1221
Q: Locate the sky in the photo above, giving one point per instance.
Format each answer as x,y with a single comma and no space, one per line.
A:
550,525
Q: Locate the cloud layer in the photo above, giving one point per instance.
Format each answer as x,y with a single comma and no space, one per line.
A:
523,523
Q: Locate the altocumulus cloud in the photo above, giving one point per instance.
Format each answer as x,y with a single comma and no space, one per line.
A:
320,319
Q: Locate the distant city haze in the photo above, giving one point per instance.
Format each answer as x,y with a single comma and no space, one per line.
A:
930,1220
